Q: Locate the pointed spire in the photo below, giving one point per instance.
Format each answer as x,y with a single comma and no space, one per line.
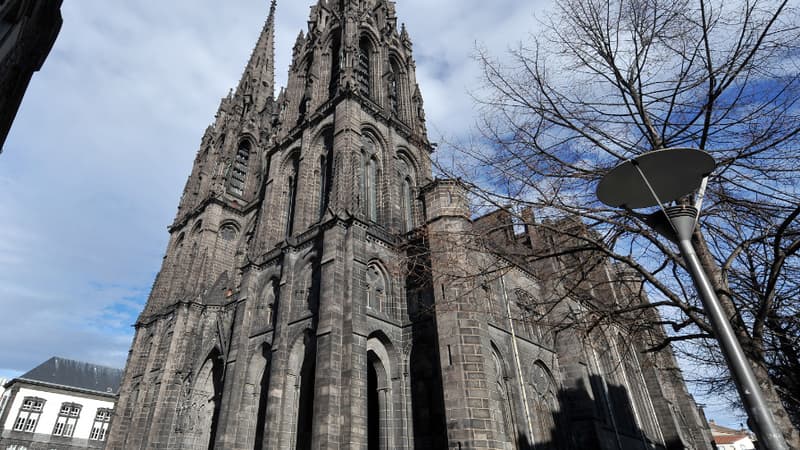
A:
404,37
299,42
257,85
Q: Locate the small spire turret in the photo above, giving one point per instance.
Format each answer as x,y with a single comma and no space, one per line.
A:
257,85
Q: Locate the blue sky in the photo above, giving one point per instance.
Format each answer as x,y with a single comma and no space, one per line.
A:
94,165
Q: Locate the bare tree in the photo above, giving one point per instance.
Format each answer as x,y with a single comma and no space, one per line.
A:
611,79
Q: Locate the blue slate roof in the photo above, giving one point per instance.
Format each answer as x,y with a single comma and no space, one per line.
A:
76,374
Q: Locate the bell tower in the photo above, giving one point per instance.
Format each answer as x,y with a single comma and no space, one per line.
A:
321,291
280,306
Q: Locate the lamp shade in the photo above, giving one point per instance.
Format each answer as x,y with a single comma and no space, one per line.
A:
672,173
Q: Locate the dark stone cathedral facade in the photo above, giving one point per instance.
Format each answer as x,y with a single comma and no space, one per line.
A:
322,290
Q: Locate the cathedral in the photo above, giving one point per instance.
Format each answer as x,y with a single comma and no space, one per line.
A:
321,289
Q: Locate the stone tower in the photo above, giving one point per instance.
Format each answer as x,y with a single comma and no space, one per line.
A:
321,290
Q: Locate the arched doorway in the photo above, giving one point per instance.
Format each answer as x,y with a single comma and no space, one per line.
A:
204,404
379,397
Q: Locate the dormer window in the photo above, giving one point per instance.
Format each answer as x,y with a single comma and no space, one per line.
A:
238,175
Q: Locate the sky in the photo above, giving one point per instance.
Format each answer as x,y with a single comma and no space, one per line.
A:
93,168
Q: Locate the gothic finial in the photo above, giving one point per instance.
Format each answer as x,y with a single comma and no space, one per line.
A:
404,37
298,44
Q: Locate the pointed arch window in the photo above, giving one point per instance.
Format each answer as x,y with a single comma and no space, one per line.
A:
364,68
637,389
291,195
406,175
179,241
336,48
613,392
325,171
203,404
372,189
308,91
377,288
545,407
501,403
238,175
408,215
369,179
394,88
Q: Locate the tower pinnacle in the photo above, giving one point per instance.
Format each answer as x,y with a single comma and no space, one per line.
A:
257,84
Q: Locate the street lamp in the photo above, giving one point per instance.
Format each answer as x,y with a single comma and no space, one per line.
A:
658,178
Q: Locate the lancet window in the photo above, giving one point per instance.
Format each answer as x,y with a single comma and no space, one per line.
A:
394,88
238,175
545,407
336,48
501,404
377,288
406,176
372,189
614,392
202,404
325,171
364,68
369,179
291,190
637,390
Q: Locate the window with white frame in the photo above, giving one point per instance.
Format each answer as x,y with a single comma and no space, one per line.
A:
100,427
16,447
67,418
29,413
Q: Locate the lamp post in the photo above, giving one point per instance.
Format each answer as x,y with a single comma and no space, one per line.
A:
656,179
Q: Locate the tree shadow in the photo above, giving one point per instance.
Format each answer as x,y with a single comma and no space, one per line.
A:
593,418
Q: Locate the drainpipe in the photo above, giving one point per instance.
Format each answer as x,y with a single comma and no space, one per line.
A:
517,361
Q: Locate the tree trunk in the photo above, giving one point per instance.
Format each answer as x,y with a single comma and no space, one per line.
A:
779,413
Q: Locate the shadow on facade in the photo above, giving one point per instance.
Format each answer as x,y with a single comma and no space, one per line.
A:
605,421
425,371
261,414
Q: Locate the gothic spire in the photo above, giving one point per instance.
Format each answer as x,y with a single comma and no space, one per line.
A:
257,85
